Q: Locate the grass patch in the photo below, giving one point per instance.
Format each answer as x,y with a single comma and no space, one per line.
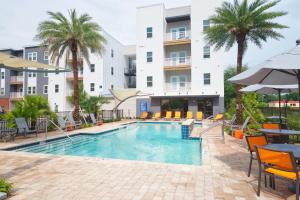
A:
5,186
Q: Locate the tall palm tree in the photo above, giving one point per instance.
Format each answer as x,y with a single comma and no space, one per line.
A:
240,23
75,35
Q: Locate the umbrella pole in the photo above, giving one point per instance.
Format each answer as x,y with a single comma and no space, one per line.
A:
298,76
279,97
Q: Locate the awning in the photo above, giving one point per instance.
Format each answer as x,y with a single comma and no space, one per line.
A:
19,64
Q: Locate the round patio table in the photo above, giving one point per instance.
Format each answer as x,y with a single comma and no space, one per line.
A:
283,133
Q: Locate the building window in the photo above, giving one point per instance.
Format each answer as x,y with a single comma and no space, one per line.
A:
56,89
206,77
32,56
112,87
92,67
149,32
46,55
100,86
112,53
149,56
206,25
31,74
2,92
206,52
2,75
112,70
149,81
92,87
29,90
45,89
33,90
45,74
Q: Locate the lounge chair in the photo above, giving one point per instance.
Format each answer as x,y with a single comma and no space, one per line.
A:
93,118
189,115
22,127
177,115
199,116
218,117
76,124
156,116
243,127
6,132
168,115
144,115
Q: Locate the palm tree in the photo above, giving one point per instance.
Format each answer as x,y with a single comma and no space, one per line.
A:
240,23
75,35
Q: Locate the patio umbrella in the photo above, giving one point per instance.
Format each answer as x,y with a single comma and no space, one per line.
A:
271,89
283,69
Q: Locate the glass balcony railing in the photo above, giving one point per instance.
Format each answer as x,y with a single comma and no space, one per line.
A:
178,61
16,95
177,36
15,79
177,86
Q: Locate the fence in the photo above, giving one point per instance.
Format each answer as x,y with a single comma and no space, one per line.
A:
110,114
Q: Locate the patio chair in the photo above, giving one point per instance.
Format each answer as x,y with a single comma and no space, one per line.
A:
144,115
76,124
199,116
94,120
168,115
281,164
243,127
177,115
22,127
189,115
6,132
252,141
156,116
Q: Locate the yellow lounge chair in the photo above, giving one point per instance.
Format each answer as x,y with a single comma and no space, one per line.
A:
199,116
177,115
218,117
168,115
189,115
144,115
156,116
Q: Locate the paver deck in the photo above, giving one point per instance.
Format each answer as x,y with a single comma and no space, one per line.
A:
221,176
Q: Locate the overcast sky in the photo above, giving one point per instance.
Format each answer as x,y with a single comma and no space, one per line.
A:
19,20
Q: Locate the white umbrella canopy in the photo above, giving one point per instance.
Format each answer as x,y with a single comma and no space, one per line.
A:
270,89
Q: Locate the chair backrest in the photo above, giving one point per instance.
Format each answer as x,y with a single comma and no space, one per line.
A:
245,123
70,118
144,115
92,116
177,114
21,124
3,125
271,126
256,140
61,122
168,114
282,160
199,115
218,117
189,115
157,115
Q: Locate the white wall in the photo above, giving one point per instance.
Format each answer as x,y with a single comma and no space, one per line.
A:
151,16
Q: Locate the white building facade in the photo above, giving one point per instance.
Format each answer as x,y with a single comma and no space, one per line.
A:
174,65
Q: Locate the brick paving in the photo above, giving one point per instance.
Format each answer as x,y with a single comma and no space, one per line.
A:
222,176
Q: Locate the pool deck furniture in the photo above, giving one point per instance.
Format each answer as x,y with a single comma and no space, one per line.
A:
168,115
281,135
144,115
22,127
189,115
252,141
285,147
94,120
65,126
281,164
6,132
177,115
199,116
156,116
76,124
234,127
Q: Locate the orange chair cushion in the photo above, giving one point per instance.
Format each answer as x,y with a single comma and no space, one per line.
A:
271,126
239,134
285,174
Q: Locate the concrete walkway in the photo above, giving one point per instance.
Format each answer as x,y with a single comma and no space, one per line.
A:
221,176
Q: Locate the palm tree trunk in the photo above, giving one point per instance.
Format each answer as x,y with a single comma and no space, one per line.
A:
75,83
239,108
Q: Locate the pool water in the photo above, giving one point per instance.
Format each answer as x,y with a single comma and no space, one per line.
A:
157,142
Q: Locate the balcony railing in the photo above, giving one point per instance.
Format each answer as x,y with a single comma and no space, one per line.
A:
16,95
16,79
178,61
178,36
177,86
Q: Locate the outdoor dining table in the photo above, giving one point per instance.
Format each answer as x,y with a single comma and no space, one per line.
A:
283,133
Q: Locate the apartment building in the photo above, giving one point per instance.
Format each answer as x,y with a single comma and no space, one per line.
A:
174,65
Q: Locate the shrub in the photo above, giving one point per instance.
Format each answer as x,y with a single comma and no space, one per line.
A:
5,186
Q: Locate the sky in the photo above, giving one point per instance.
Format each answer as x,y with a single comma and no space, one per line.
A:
19,20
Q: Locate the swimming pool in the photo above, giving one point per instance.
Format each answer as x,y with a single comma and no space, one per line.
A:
157,142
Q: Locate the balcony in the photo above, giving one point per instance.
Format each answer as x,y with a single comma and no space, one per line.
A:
16,80
70,76
178,38
16,96
79,59
177,63
130,71
178,87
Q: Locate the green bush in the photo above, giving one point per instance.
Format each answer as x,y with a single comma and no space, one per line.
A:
5,186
